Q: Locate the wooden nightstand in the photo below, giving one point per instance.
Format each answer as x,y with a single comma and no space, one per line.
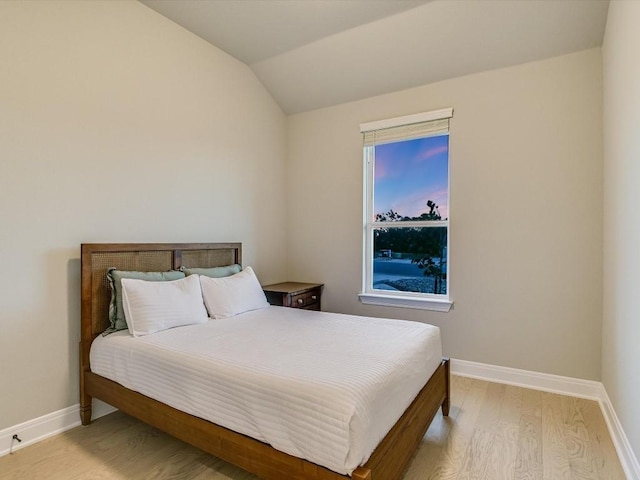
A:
294,295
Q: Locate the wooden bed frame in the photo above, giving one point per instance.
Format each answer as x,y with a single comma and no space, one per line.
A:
389,460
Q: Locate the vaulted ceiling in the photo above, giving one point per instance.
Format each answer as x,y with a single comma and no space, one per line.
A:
311,54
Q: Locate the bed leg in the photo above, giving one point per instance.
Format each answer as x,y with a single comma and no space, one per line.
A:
85,409
85,402
447,401
361,473
85,399
85,414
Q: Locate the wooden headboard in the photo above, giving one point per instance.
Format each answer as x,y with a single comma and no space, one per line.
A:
96,258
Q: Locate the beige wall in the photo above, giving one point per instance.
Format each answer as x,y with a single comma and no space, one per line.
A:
621,319
526,211
117,125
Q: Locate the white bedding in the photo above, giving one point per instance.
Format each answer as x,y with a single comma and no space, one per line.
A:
320,386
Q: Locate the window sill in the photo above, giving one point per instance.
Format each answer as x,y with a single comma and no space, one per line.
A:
406,302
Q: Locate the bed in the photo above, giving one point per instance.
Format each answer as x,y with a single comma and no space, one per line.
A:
387,462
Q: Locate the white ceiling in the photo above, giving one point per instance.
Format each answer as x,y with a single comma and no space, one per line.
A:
315,53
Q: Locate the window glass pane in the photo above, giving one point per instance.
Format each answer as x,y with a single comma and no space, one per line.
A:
410,259
411,180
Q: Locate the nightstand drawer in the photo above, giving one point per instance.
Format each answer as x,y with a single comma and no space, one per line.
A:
307,299
295,295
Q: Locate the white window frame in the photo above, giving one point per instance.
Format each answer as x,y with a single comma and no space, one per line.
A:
425,301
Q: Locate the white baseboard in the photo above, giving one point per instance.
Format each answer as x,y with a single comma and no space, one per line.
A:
523,378
33,431
625,452
565,386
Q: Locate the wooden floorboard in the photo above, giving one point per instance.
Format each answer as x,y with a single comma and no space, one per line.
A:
494,432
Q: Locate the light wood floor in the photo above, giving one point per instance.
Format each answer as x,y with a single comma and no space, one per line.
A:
494,432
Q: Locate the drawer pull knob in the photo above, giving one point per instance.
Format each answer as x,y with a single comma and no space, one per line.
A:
314,297
300,301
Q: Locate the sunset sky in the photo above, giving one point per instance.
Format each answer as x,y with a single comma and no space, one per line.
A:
409,173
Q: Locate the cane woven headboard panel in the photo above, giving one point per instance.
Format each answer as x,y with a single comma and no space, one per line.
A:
154,257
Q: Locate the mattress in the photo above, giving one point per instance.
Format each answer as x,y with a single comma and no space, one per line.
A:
320,386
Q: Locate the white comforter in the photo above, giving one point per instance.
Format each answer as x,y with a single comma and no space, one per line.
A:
320,386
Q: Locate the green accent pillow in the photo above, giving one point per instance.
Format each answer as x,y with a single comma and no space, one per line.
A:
214,272
115,276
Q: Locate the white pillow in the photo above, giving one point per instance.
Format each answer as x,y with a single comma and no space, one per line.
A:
229,296
153,306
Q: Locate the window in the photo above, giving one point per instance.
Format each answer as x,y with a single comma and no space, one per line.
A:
406,222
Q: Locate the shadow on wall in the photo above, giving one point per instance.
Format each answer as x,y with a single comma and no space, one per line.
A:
73,307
